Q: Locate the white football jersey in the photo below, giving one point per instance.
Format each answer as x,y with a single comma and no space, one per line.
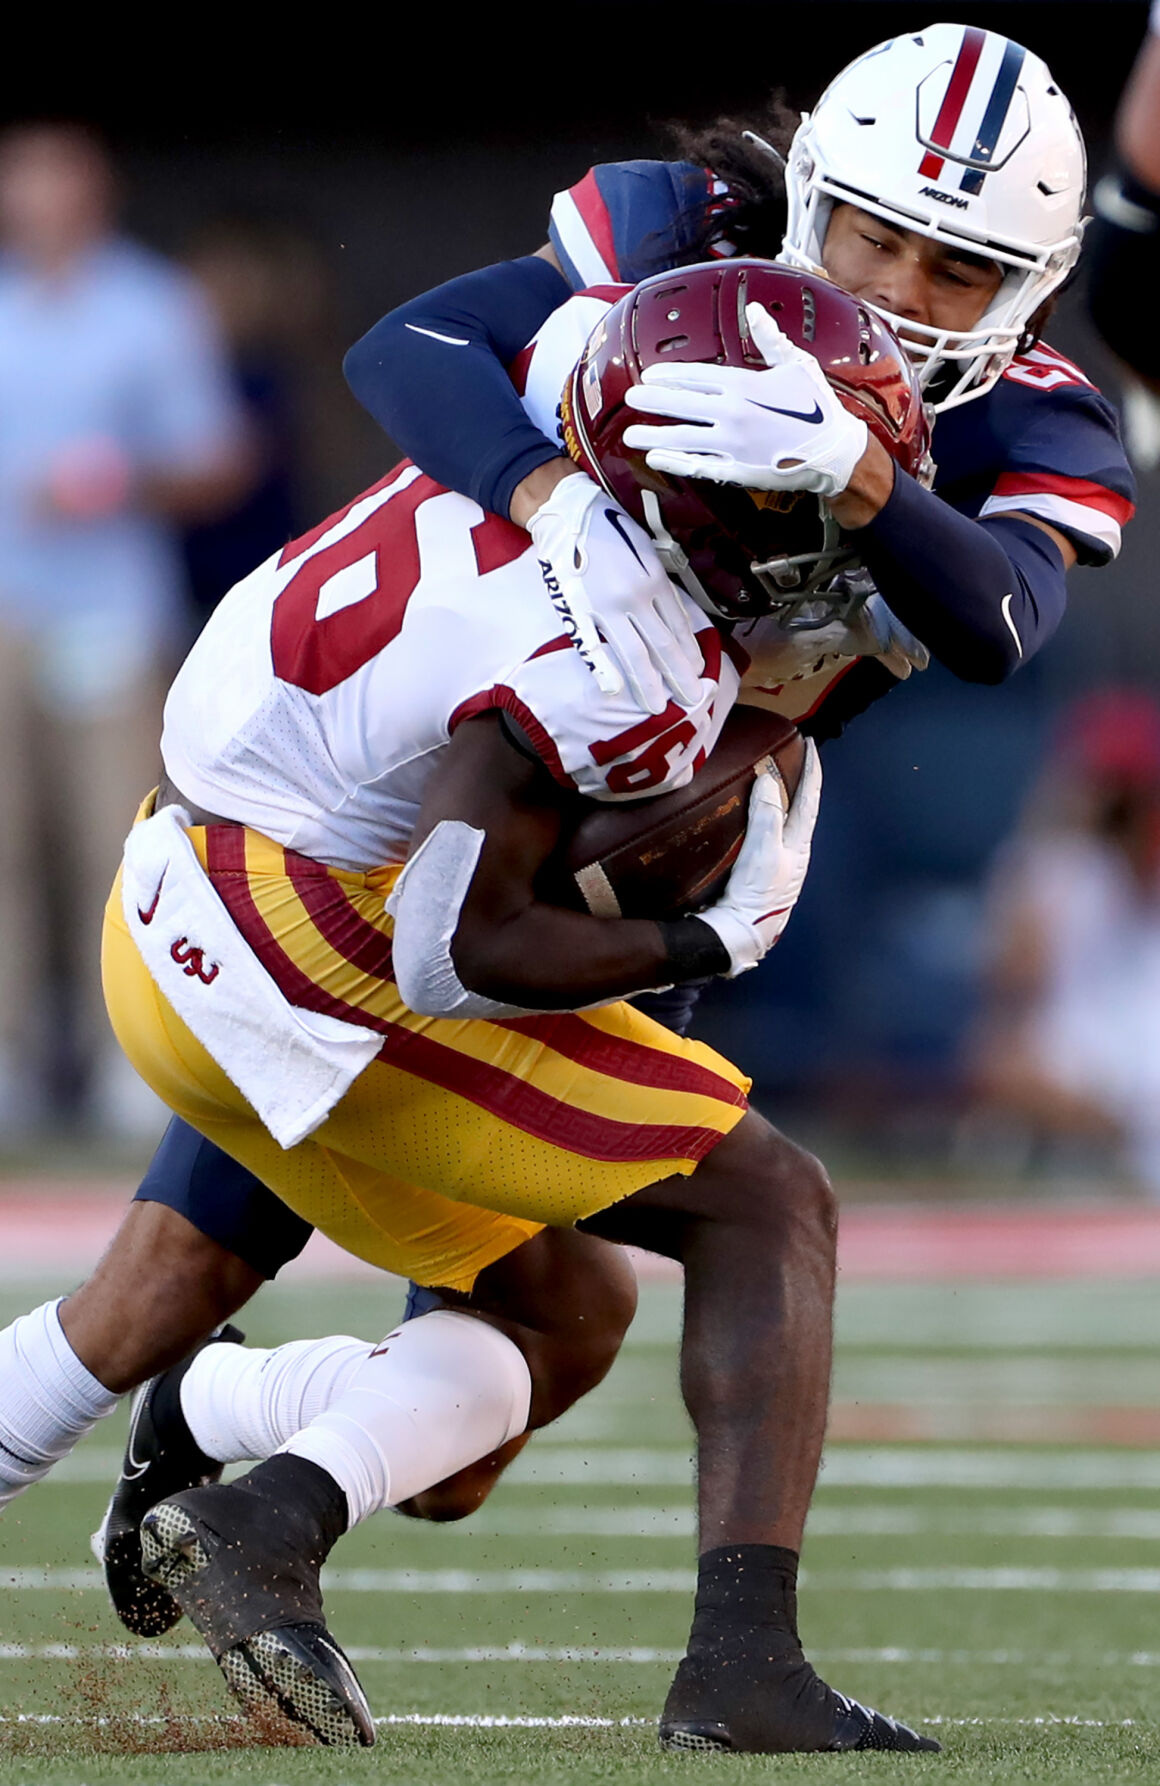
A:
316,701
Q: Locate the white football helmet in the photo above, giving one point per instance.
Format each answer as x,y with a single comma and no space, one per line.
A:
961,134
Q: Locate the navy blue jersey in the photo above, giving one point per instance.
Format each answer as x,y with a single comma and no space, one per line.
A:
1042,442
629,219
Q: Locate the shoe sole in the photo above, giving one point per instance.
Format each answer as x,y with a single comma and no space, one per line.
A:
143,1607
708,1740
293,1673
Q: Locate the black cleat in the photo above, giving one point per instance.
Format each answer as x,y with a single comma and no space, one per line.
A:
242,1560
856,1727
859,1727
161,1458
769,1701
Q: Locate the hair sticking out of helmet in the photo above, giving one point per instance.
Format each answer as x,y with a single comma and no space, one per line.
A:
962,135
741,553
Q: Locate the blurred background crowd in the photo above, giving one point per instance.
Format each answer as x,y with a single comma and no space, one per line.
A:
971,984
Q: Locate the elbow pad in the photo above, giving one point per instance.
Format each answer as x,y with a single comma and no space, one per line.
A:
981,595
426,905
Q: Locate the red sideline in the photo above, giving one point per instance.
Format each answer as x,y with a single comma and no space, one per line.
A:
56,1232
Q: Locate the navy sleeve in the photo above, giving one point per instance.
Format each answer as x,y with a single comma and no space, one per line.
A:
433,373
983,596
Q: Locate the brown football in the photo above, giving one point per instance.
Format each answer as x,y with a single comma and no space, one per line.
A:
662,857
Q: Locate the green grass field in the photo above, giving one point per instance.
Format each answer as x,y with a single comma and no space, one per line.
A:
1005,1596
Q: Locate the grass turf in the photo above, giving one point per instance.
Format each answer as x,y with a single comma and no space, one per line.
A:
1002,1596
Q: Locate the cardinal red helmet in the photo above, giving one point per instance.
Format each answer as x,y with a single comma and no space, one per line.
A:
737,552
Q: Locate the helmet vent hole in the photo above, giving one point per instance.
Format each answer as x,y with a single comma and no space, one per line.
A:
671,344
864,120
809,314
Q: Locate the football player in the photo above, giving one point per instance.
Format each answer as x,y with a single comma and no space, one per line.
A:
947,164
1125,248
393,686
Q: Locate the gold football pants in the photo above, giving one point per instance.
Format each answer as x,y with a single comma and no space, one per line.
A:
461,1138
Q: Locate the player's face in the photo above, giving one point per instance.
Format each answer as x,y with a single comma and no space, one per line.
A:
907,273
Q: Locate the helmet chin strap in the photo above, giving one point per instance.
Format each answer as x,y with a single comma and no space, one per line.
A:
674,558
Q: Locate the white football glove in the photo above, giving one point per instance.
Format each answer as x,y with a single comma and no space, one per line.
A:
609,577
781,429
768,875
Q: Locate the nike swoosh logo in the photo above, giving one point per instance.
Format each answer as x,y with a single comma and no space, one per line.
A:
147,917
1005,610
797,414
434,335
616,522
132,1468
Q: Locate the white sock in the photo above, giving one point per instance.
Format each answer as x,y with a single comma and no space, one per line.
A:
48,1400
243,1402
437,1394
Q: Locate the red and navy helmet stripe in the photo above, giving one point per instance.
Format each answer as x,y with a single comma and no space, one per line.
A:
995,116
951,109
979,159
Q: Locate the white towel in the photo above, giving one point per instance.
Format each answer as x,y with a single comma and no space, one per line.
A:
291,1065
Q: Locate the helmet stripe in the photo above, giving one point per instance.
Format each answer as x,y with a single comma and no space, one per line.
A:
954,99
995,115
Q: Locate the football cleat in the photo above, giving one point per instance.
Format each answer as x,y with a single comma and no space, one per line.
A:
856,1727
859,1727
161,1458
754,1693
242,1561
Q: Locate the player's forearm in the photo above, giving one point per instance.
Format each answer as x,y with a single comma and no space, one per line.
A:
433,373
983,596
550,959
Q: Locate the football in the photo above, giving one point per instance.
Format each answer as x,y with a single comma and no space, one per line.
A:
671,855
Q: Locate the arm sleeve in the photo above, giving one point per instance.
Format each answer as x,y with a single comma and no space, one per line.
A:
983,596
434,375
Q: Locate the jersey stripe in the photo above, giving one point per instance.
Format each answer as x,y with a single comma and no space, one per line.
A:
1074,490
589,201
570,236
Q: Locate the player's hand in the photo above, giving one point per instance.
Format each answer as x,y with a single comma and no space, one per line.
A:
768,875
875,632
781,429
610,582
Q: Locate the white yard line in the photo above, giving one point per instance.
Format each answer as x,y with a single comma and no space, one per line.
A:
662,1581
565,1721
637,1655
923,1465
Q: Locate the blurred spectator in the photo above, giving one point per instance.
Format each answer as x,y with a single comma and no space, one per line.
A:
116,423
258,277
1069,1048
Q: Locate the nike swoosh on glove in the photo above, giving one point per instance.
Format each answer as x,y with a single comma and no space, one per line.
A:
769,873
784,428
610,582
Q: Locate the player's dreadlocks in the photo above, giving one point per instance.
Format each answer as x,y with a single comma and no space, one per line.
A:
747,155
